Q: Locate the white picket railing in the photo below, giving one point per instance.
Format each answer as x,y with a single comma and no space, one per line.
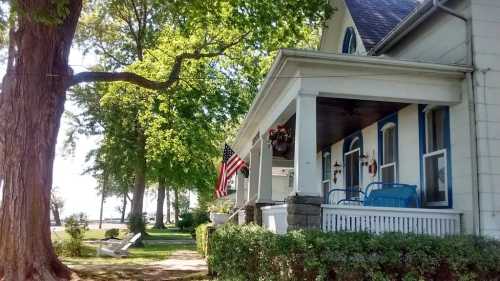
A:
437,222
274,218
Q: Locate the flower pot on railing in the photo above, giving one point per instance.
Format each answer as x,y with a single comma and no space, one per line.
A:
219,218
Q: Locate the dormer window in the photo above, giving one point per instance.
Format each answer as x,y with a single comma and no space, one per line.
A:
349,45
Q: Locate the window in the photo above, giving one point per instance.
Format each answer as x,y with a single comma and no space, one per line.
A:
389,153
352,168
349,43
435,158
326,173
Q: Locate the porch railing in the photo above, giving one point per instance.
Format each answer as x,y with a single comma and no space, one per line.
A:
437,222
274,218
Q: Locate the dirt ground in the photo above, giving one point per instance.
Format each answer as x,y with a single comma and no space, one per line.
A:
181,266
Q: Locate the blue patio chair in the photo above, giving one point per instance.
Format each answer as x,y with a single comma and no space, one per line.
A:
380,194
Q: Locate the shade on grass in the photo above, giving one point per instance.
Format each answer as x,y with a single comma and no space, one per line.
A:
138,256
149,253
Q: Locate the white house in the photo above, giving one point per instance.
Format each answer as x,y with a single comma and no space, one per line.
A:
400,92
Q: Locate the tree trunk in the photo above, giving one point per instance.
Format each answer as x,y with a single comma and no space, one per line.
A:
140,178
55,214
103,198
159,204
31,105
176,206
167,192
124,208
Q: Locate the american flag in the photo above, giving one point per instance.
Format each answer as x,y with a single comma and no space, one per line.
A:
231,163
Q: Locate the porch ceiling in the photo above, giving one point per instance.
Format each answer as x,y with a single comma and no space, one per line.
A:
338,118
373,86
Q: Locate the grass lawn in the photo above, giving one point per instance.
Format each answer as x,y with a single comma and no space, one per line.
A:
92,234
154,234
168,234
138,256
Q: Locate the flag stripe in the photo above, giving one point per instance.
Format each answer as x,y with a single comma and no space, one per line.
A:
231,163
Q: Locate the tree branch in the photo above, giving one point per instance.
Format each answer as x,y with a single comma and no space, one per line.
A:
96,76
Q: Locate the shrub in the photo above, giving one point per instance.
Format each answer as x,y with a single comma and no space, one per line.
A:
202,241
186,220
112,233
75,226
199,217
251,253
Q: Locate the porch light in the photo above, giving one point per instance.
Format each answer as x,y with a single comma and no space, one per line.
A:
337,170
364,160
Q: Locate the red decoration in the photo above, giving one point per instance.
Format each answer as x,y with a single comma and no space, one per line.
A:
280,139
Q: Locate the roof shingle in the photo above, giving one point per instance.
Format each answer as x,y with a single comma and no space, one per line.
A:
374,19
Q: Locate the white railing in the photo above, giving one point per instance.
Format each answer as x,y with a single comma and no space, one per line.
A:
274,218
437,222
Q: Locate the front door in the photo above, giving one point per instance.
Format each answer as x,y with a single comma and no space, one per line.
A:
352,173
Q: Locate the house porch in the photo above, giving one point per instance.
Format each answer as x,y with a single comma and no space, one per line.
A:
327,102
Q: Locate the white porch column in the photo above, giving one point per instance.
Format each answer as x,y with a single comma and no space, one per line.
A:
253,183
305,146
240,190
265,190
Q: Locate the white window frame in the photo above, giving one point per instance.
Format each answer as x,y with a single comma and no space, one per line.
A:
387,126
430,154
328,180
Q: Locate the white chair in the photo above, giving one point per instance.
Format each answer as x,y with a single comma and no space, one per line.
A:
117,249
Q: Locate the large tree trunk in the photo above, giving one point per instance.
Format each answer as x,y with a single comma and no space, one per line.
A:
176,206
167,192
159,204
31,104
124,208
140,178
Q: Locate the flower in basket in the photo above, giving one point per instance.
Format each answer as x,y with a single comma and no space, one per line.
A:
280,138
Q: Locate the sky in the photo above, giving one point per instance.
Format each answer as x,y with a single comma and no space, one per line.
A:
79,191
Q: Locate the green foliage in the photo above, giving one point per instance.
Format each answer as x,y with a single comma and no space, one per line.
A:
112,233
199,217
136,224
251,253
75,226
202,241
180,130
193,219
186,220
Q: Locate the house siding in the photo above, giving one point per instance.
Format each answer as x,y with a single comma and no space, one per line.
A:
408,158
486,40
440,39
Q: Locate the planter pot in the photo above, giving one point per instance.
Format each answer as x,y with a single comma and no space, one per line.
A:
219,218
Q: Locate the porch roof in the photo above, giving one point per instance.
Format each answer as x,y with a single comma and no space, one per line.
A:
345,77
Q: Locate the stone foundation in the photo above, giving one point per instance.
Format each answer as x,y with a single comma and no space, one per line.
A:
304,212
246,215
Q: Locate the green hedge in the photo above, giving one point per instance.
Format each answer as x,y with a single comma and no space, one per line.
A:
251,253
202,239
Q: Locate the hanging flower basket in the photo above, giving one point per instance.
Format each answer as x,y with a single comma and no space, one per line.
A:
280,139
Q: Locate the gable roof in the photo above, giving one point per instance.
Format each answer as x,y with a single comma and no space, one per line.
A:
374,19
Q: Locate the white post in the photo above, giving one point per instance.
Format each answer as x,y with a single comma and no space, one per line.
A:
305,146
253,183
265,190
240,190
